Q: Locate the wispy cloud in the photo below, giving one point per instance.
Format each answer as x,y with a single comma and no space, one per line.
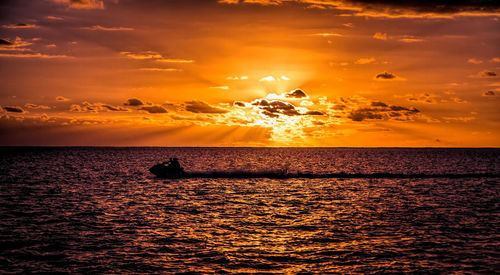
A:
363,61
474,61
82,4
142,55
175,60
101,28
50,17
243,77
410,39
161,69
36,106
328,34
221,87
21,26
61,98
32,55
380,36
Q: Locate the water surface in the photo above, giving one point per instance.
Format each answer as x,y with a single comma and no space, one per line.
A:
98,210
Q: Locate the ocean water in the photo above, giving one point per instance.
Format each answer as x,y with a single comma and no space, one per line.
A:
99,210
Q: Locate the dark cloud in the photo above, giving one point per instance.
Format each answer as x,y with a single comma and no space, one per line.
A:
378,104
276,107
489,93
96,107
114,108
202,107
315,113
439,6
489,74
5,42
134,102
365,113
154,109
296,94
239,104
385,75
13,109
382,112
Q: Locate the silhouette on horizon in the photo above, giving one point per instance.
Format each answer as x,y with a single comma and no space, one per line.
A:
172,169
168,169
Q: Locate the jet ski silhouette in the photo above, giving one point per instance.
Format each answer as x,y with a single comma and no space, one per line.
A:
168,169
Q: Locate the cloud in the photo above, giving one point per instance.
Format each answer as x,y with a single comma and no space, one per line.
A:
101,28
243,77
315,113
35,106
114,108
61,98
474,61
156,56
489,74
175,60
239,104
22,52
21,26
410,39
392,8
296,94
154,109
431,98
267,79
202,107
274,108
4,42
328,34
380,36
17,45
387,76
363,61
31,55
484,74
461,119
382,111
96,107
13,109
426,98
378,104
489,93
495,59
221,87
82,4
142,55
443,6
50,17
161,69
134,102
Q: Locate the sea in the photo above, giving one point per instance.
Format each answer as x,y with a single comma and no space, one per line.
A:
99,210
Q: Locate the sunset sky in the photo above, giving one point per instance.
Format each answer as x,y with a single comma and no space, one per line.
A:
250,73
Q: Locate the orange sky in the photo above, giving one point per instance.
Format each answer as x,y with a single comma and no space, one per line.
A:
250,73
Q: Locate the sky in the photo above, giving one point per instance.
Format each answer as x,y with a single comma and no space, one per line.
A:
307,73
